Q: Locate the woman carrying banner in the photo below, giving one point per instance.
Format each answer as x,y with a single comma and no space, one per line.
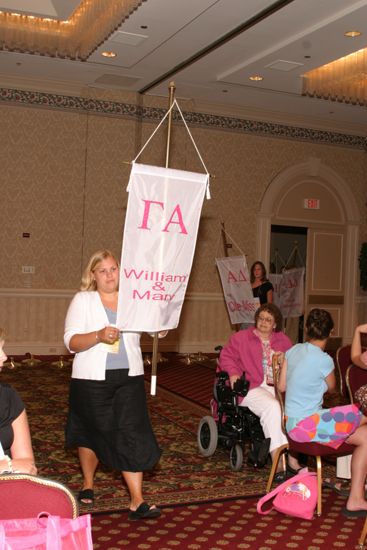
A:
307,373
250,352
108,418
261,286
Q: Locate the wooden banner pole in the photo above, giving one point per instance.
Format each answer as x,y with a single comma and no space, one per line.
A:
153,384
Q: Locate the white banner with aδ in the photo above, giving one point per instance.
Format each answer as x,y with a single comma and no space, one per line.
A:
289,296
237,290
162,220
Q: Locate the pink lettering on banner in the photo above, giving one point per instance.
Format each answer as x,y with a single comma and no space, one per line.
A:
242,306
147,204
292,283
233,278
175,218
147,295
154,275
177,210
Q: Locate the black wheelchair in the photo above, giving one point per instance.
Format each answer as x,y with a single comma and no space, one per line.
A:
232,426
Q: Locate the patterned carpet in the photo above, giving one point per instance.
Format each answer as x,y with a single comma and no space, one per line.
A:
230,524
182,476
205,504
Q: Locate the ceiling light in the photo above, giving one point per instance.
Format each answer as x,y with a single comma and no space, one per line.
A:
256,78
71,39
109,54
340,80
352,34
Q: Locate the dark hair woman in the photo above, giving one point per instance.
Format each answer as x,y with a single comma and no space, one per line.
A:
261,286
306,374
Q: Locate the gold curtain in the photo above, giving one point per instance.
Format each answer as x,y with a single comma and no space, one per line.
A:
342,80
76,38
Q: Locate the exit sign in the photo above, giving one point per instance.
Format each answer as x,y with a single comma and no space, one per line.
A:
311,204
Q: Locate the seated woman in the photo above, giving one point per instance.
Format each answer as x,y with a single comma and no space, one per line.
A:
306,374
250,351
16,454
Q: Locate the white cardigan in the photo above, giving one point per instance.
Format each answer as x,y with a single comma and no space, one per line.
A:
87,314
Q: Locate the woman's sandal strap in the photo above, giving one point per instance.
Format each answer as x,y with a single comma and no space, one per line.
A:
86,494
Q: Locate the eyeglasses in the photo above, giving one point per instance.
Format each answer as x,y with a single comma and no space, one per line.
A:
268,320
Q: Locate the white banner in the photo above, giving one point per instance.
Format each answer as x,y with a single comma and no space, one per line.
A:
162,219
289,291
276,281
237,290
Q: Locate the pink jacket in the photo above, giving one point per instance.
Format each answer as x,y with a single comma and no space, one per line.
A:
243,353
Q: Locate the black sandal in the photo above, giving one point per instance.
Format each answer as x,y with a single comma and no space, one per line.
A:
86,496
144,511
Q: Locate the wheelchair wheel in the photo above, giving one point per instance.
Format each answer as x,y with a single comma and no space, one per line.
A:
207,436
236,457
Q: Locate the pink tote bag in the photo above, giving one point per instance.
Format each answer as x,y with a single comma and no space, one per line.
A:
46,533
295,497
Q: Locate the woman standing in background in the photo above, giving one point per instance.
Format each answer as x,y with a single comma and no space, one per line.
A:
261,286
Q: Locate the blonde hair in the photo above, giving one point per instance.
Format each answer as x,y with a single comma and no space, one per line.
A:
88,281
2,337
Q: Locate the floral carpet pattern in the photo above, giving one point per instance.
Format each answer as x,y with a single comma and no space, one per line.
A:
182,476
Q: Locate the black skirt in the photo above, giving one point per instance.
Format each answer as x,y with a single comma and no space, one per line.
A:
111,418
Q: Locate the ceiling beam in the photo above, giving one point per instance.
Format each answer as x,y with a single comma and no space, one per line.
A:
263,14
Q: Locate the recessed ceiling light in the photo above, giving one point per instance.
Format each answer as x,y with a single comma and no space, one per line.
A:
256,77
352,34
109,54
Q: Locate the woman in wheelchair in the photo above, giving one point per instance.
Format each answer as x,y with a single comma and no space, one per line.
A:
307,373
251,351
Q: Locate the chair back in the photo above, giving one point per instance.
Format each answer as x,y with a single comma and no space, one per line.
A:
279,395
355,378
343,360
25,496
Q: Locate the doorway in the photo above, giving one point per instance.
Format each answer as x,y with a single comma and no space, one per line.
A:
288,249
332,235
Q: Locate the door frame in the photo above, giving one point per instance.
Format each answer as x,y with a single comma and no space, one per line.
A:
313,167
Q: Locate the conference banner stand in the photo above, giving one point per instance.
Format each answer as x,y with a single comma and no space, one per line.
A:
160,233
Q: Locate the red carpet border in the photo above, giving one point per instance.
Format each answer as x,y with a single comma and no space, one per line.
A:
192,381
230,524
